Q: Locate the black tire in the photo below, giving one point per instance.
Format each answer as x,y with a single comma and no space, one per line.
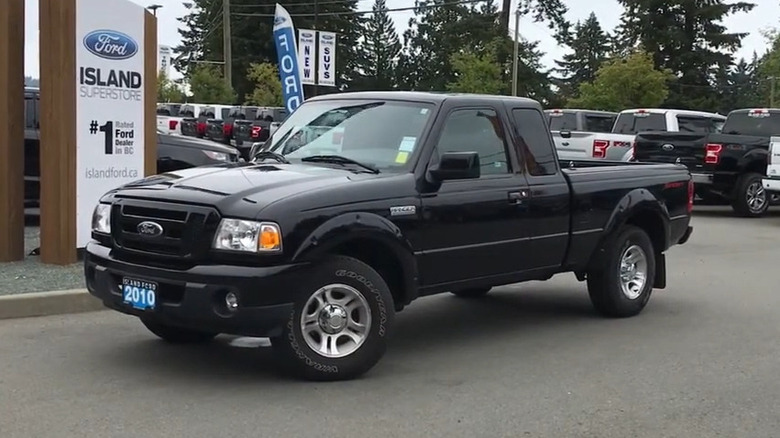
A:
476,292
604,282
749,187
303,361
178,335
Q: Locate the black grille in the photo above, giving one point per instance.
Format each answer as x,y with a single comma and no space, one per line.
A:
187,231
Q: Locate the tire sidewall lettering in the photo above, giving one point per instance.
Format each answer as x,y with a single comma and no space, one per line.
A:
379,301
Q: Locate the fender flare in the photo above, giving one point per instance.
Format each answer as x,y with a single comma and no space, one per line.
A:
361,225
751,157
636,201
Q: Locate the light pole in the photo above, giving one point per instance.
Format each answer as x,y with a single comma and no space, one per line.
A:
517,52
154,8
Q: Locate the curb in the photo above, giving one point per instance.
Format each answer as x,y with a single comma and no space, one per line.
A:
61,302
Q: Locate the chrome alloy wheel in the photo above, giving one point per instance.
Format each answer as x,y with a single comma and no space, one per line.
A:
756,196
633,271
336,320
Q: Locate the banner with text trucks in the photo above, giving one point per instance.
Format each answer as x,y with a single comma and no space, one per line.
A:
109,102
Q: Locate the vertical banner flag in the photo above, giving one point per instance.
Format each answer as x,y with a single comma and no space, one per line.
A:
327,67
306,60
289,73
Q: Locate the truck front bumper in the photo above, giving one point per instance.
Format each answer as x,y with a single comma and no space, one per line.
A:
195,298
771,184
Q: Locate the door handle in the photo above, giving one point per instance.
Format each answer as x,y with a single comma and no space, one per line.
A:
518,197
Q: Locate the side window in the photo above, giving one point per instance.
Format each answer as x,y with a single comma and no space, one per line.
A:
29,112
694,124
534,142
476,130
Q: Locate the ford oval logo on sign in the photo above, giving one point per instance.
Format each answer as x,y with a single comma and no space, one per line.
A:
110,44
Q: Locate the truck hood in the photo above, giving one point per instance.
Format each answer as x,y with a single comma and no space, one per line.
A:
237,189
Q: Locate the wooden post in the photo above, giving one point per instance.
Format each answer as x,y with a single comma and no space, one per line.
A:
58,130
150,94
12,134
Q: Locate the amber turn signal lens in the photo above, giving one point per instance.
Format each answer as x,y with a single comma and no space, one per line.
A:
270,238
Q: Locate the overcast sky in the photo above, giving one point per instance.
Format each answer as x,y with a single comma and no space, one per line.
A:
766,14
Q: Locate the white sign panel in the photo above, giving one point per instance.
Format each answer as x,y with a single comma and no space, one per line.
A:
164,60
327,59
109,102
306,60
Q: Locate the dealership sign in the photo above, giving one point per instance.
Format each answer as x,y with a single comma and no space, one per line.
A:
109,102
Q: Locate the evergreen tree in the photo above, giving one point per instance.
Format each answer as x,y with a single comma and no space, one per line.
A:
379,51
686,37
590,48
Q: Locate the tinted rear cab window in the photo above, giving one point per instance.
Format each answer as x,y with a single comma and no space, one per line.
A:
599,123
562,121
764,124
632,123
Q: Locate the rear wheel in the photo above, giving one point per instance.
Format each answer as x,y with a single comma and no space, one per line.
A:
750,197
621,285
177,335
472,293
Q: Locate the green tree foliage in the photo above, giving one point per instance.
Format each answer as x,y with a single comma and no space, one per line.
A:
768,67
252,30
268,88
688,38
552,11
379,51
207,85
590,47
168,90
631,82
478,73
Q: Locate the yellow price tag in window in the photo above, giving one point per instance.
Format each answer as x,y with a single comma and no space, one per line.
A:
402,157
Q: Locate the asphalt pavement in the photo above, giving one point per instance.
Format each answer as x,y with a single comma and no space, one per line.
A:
531,360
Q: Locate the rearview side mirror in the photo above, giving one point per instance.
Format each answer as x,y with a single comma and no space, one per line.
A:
566,134
456,165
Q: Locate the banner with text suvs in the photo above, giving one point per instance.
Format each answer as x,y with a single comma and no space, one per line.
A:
109,102
306,60
327,59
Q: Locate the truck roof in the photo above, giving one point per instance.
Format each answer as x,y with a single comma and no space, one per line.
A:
672,110
578,110
427,96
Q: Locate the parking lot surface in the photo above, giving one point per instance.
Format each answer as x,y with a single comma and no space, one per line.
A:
529,360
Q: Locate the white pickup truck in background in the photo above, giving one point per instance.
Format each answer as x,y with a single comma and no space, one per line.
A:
573,130
618,145
169,118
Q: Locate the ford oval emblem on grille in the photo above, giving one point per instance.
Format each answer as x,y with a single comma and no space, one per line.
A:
667,147
149,229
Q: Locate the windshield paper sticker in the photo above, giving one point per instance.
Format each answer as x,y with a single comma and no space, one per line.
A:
407,144
402,157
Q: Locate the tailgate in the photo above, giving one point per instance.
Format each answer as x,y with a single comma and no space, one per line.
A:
214,130
189,127
242,131
577,147
685,148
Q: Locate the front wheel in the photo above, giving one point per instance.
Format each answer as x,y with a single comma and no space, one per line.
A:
338,328
750,197
621,285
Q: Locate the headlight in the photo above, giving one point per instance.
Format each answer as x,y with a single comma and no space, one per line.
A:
101,219
249,236
218,156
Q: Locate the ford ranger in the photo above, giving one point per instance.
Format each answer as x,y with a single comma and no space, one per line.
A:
360,203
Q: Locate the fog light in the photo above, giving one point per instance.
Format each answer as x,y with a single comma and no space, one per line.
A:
231,301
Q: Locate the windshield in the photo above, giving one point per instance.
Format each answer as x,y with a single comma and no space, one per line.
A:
765,124
562,121
382,134
632,123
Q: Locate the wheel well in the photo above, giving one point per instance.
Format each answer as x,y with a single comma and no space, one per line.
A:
652,224
758,166
380,257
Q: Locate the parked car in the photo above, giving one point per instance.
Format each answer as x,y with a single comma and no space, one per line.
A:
258,124
174,152
195,119
771,178
168,118
573,130
727,165
327,234
618,145
221,130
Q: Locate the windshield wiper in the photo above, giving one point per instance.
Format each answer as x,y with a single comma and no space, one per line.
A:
268,154
339,160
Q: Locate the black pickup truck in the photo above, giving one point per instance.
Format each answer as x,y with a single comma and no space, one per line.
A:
333,228
727,166
256,126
